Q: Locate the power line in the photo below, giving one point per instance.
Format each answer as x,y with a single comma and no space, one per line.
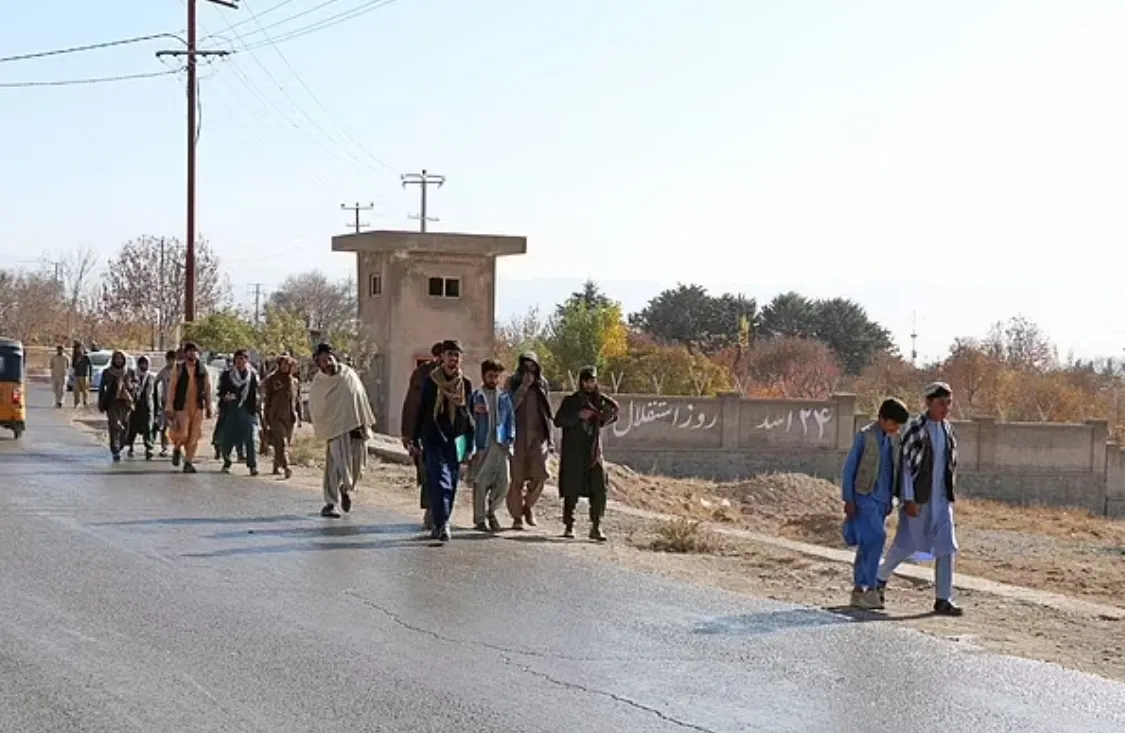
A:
267,11
310,92
357,208
90,80
325,23
87,47
423,181
287,20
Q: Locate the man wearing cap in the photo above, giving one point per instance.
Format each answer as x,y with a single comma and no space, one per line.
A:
410,403
188,401
582,416
443,432
926,496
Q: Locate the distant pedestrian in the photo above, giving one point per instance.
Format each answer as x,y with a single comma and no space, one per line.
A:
582,416
925,521
115,399
163,379
410,403
871,472
142,421
443,431
342,418
281,411
187,403
530,399
83,372
60,370
488,472
239,392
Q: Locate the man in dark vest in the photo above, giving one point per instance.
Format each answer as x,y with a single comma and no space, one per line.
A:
410,405
188,402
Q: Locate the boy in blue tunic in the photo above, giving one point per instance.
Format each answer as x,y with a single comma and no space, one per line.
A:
870,473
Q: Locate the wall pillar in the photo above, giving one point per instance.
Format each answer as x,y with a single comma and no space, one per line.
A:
730,404
843,404
986,442
1099,436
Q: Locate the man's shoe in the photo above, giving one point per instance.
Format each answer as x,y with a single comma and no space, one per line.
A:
943,607
517,524
444,534
494,524
881,589
568,533
529,517
345,501
188,468
288,473
857,599
226,466
872,601
218,454
117,458
148,455
481,526
253,472
176,457
329,512
131,453
428,522
597,534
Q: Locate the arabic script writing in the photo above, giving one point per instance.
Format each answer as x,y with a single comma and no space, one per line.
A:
820,418
643,413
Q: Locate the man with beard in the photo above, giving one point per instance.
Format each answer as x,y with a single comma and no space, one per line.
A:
342,418
281,394
163,379
410,404
187,403
582,416
494,433
144,408
533,439
238,390
443,431
115,399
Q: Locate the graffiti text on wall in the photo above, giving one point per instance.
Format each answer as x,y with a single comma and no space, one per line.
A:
684,417
819,418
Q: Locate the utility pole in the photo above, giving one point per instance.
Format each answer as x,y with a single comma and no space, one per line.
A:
423,181
257,302
914,338
357,208
192,54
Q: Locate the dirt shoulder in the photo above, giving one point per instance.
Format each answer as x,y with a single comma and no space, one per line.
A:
1002,543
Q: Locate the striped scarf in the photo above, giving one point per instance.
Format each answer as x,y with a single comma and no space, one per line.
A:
916,440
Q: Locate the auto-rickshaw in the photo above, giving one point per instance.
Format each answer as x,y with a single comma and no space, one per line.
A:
13,391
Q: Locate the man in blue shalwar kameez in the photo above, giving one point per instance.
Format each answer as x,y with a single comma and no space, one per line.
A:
926,495
870,473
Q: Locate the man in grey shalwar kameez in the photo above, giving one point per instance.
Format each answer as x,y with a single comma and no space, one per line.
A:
342,417
926,495
494,432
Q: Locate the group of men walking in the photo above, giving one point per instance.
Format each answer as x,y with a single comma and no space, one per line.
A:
501,435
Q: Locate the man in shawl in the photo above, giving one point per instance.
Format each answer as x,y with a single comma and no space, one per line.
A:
870,474
60,370
410,403
238,390
187,403
163,379
281,393
220,422
582,416
926,495
141,421
115,399
443,432
342,417
533,426
494,435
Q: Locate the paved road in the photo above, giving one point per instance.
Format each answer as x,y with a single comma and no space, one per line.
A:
136,599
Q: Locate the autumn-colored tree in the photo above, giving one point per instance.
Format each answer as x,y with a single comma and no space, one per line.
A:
792,368
886,376
585,330
32,306
526,332
281,331
649,367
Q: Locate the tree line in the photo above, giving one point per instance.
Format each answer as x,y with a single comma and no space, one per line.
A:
686,341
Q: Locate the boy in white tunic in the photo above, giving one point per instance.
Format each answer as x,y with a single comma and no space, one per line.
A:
926,496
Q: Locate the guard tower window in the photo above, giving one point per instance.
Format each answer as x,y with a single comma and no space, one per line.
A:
376,286
445,287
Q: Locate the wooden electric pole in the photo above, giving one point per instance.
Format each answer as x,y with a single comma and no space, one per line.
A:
192,54
423,181
357,208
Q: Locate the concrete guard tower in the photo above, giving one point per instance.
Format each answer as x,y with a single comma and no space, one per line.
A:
417,288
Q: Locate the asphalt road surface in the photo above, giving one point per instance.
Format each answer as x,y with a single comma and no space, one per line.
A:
133,598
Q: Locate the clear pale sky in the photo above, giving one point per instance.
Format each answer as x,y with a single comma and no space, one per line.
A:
960,160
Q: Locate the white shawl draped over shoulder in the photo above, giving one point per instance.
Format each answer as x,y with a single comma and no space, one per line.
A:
338,404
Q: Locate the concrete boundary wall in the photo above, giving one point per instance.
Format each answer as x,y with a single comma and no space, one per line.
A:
731,437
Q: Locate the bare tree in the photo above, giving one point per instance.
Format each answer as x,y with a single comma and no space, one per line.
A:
77,268
330,307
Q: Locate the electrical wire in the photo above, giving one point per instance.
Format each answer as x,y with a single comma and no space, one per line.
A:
87,47
91,80
267,11
312,95
286,20
323,23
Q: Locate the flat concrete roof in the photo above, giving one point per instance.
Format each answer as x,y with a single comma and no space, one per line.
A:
384,240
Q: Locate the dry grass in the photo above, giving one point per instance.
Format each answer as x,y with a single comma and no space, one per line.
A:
685,537
306,451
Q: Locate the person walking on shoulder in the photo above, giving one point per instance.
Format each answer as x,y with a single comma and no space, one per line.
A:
238,390
529,392
163,379
115,398
410,403
926,495
342,418
282,411
142,419
187,403
582,416
443,433
60,370
495,431
83,371
871,472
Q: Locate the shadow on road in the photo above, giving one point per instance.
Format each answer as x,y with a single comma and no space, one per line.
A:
188,521
328,530
858,614
769,622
